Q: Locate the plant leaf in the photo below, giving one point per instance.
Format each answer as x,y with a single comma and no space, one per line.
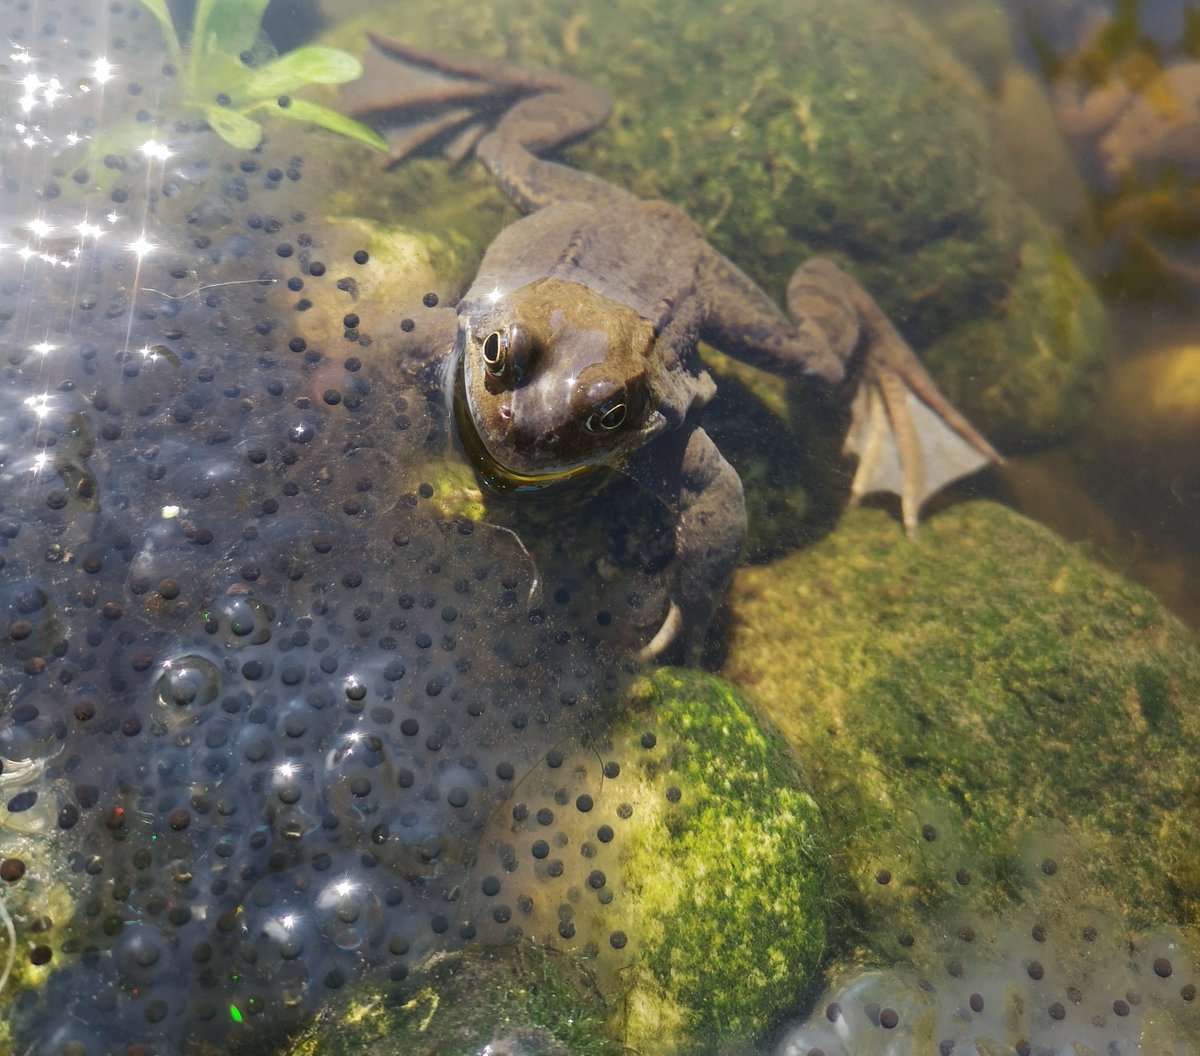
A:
236,129
228,26
300,67
220,74
158,9
324,117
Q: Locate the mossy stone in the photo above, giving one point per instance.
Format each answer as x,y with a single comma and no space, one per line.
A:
519,998
724,872
722,902
1055,314
994,679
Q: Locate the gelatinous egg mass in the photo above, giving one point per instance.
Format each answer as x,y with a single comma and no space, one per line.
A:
266,678
1041,963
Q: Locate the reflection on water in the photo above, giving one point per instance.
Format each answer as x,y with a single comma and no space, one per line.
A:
269,678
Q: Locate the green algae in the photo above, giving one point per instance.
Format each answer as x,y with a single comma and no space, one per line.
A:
991,682
1053,311
720,894
461,1004
725,874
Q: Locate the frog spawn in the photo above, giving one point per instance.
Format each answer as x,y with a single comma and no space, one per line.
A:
1059,973
263,697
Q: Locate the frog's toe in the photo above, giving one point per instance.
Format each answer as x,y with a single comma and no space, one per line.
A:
664,637
422,102
907,447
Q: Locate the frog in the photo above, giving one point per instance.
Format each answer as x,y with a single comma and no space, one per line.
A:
576,346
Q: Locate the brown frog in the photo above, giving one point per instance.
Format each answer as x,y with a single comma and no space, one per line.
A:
575,346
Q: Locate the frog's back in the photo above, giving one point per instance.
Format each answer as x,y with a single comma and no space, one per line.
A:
641,254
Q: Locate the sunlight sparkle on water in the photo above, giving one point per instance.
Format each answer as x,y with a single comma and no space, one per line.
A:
153,149
40,405
141,246
50,90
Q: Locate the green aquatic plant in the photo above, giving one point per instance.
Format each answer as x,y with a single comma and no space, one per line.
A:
230,93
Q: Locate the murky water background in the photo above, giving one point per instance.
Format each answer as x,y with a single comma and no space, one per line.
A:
269,679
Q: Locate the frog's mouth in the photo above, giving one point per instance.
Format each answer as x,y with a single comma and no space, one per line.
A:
493,473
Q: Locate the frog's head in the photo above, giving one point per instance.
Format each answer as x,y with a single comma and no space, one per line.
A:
557,378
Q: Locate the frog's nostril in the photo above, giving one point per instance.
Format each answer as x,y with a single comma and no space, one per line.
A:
522,439
506,412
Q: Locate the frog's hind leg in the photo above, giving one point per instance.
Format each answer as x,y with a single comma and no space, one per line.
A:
910,440
507,115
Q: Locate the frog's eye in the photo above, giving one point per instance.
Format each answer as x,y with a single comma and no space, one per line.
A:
495,352
607,416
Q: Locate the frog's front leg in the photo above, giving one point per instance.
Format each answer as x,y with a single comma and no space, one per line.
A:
704,494
909,439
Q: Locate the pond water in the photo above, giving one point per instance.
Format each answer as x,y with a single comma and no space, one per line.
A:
298,714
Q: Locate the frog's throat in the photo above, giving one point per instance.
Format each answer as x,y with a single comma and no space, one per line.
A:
494,474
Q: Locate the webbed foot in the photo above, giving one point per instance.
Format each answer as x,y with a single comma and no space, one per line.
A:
909,439
420,101
907,447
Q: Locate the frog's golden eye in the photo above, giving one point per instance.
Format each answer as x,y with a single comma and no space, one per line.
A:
495,352
607,416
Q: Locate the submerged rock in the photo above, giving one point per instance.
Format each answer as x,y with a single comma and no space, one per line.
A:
990,673
696,834
514,1000
1001,734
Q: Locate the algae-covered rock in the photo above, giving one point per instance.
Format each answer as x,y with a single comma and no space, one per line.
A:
683,898
702,906
407,263
515,999
845,130
724,874
979,32
1053,312
988,682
